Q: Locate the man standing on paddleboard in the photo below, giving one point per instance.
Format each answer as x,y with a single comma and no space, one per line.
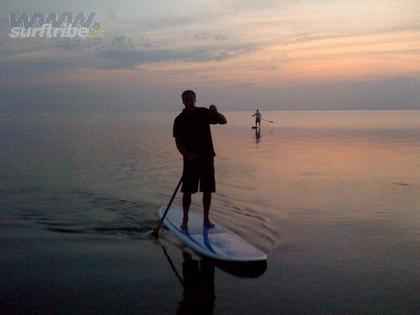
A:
258,118
193,139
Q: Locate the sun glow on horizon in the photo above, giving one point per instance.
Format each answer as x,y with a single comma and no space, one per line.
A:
216,46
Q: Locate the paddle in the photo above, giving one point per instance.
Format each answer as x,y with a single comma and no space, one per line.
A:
155,231
171,263
270,121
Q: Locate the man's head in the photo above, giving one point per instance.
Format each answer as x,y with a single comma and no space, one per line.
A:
188,98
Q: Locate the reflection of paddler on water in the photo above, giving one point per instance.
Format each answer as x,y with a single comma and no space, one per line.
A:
257,135
198,297
258,118
198,280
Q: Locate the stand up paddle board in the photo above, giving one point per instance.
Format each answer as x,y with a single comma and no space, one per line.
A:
216,243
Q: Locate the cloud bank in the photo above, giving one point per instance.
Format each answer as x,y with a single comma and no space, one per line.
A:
288,55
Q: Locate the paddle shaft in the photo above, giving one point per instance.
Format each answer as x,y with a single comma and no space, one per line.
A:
168,207
270,121
171,263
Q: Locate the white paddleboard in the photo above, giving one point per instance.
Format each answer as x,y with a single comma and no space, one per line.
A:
217,243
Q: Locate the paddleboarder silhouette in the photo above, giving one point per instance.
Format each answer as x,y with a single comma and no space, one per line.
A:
192,134
258,118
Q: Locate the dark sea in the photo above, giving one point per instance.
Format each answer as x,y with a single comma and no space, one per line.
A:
333,198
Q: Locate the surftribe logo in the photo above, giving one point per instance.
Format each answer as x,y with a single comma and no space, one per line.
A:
53,25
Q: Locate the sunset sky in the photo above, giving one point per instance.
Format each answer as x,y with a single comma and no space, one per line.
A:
313,54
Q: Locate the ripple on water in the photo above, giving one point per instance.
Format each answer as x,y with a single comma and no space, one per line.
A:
79,212
89,213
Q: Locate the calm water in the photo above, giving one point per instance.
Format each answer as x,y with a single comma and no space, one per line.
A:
333,197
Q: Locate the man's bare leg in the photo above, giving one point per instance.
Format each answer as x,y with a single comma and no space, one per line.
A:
206,207
186,203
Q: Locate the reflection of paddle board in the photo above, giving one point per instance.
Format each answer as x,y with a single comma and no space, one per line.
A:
249,269
254,127
217,243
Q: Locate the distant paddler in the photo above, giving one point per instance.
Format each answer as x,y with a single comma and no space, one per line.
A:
258,118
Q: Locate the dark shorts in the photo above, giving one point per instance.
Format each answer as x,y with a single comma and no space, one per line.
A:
201,171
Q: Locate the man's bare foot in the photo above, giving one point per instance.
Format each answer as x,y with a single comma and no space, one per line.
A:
184,225
208,224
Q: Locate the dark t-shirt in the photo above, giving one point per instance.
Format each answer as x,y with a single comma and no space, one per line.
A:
192,129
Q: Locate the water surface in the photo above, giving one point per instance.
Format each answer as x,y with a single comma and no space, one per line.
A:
332,197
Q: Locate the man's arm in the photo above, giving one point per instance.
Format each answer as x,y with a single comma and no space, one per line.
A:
215,116
183,150
180,145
